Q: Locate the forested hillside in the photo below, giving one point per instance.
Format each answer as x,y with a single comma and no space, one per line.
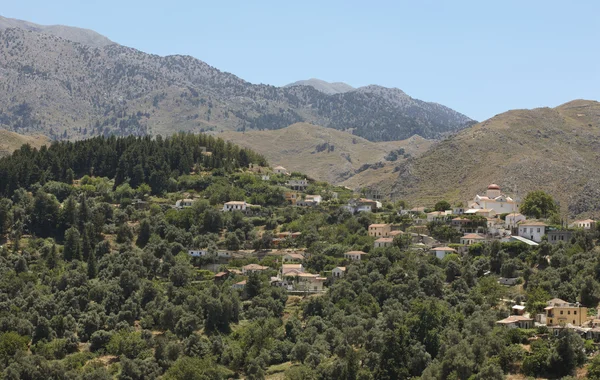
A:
65,89
97,281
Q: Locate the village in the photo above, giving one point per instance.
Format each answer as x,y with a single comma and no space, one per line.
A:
493,216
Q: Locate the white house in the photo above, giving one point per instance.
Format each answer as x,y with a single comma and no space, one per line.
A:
338,272
532,230
512,220
287,268
384,242
310,200
239,285
441,252
280,170
266,177
354,255
182,203
587,224
198,252
297,184
291,257
235,206
495,200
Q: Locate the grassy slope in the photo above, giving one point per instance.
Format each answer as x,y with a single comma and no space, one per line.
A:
9,141
556,150
294,147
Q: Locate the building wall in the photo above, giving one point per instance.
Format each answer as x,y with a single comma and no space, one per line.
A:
534,233
566,314
383,231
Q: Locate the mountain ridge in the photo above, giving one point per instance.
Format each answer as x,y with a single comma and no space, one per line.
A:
551,149
69,90
71,33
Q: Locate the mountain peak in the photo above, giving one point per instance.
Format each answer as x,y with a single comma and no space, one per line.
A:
329,88
71,33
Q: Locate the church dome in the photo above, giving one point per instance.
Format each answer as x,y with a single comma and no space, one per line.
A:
493,186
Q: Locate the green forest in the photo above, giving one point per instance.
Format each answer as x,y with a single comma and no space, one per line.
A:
97,282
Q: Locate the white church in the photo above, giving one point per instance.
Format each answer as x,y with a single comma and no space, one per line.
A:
495,200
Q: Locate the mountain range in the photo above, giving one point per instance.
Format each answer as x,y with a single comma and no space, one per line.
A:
323,86
70,83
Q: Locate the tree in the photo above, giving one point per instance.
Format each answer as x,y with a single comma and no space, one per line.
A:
442,206
72,248
92,265
144,234
253,285
186,368
538,204
232,242
594,369
590,292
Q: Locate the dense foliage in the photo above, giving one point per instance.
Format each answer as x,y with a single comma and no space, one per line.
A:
95,286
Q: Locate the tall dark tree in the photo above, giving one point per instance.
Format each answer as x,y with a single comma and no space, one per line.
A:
72,248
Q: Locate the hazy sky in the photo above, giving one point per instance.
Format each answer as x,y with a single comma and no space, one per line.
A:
478,57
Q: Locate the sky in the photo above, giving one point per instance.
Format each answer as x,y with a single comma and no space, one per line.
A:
479,57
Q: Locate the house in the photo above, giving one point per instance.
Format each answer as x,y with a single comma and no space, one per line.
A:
512,220
458,210
559,312
441,252
495,200
221,276
291,197
587,224
198,252
368,205
532,230
297,184
235,206
287,268
384,242
518,309
266,177
239,285
292,257
183,203
485,212
508,281
280,170
253,268
354,255
469,239
431,216
338,272
395,233
556,236
517,321
380,230
310,200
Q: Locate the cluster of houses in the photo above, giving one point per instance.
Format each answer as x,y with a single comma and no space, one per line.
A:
558,315
291,275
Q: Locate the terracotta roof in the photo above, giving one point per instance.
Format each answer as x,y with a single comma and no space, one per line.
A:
220,274
378,225
384,240
447,249
395,233
356,253
529,223
585,221
241,283
514,318
493,186
343,269
236,203
473,236
254,267
514,214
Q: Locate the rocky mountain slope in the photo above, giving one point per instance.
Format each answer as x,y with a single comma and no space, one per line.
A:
328,88
553,149
326,154
10,141
80,35
68,90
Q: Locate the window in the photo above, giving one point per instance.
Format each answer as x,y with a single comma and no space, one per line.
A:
575,312
569,312
538,230
561,312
